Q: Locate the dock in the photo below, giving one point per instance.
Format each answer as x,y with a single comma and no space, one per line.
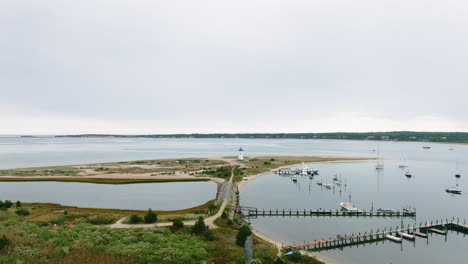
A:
254,212
373,236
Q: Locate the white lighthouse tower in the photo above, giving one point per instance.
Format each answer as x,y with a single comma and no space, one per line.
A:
241,155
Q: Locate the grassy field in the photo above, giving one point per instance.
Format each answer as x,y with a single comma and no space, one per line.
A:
97,180
34,239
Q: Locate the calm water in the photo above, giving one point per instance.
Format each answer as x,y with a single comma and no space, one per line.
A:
140,196
433,170
365,187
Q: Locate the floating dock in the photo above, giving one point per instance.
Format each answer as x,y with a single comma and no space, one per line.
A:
374,236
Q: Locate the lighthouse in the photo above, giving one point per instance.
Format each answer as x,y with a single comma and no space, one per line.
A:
241,155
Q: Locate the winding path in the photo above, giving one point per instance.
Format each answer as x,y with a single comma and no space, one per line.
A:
209,221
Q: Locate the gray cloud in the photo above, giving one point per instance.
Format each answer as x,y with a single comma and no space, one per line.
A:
233,66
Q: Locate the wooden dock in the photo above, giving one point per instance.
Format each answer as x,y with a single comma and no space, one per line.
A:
373,236
254,212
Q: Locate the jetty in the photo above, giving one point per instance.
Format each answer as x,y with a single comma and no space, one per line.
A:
373,236
254,212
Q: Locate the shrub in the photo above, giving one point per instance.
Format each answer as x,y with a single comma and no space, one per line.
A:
242,235
230,222
99,220
224,215
208,234
22,212
135,219
4,242
18,204
279,260
177,224
295,257
5,205
150,217
199,226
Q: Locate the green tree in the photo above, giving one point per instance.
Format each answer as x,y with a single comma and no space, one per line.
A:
295,257
177,224
242,235
18,204
150,217
199,226
135,219
4,242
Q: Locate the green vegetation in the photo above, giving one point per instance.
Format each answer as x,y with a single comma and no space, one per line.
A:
242,235
135,219
451,137
177,224
150,217
97,180
199,227
5,205
22,212
4,243
18,204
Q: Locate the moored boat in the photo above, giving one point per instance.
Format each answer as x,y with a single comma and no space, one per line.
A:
454,190
348,207
408,174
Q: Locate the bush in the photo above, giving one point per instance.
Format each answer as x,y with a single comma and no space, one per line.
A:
5,205
22,212
224,215
18,204
177,224
4,242
279,260
242,235
99,220
199,226
208,234
230,222
295,257
135,219
150,217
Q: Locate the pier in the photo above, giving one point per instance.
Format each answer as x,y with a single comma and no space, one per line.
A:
373,236
254,212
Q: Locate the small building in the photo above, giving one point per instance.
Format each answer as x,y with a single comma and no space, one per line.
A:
241,155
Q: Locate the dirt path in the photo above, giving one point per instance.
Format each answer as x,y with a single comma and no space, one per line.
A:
209,221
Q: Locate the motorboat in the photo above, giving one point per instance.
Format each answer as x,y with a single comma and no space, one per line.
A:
408,174
386,210
454,190
327,185
348,207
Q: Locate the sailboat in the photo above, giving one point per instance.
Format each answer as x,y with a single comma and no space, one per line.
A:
380,164
402,164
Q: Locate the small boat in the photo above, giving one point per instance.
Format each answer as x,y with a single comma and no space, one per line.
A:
394,238
327,185
457,174
348,207
319,182
386,210
408,174
380,164
337,182
454,190
294,178
406,235
426,147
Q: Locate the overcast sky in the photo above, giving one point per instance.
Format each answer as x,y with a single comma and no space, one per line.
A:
108,66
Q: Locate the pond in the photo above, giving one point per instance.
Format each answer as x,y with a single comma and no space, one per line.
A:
137,196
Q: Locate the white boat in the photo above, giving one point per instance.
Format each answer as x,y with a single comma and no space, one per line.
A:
319,182
348,207
408,174
386,210
294,178
457,174
454,190
403,164
327,185
380,164
394,238
337,182
406,235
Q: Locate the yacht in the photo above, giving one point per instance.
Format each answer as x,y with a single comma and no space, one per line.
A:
380,164
348,207
327,185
